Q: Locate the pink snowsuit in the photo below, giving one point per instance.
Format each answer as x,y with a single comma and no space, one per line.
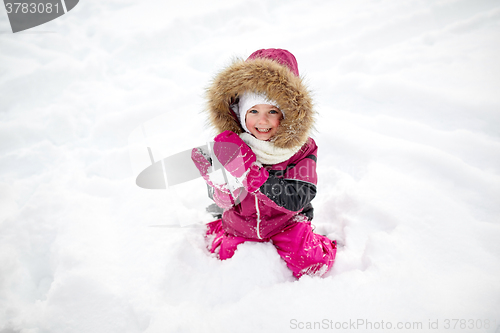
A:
274,213
279,210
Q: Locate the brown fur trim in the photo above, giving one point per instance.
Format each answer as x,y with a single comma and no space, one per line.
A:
278,83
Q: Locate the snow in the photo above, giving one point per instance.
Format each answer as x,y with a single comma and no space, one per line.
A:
409,168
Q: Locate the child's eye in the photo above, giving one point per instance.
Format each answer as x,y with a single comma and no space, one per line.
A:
252,111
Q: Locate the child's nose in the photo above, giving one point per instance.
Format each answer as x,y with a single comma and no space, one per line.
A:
263,119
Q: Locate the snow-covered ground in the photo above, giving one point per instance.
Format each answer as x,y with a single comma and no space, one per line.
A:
407,94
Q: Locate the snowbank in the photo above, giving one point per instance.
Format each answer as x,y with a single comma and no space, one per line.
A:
409,172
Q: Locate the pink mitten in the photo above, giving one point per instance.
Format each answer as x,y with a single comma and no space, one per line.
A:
224,199
237,158
233,153
202,162
255,178
222,196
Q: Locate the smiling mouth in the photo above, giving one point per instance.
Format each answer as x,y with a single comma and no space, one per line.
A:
263,130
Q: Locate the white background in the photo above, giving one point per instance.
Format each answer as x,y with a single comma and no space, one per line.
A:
407,95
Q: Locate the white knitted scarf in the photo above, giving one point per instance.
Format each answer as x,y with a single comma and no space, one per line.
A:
267,152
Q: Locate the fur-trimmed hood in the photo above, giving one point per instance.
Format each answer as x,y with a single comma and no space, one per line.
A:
262,75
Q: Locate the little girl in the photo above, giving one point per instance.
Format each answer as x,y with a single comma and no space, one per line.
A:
264,114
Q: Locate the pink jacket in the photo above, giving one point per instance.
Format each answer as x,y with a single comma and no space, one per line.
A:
287,192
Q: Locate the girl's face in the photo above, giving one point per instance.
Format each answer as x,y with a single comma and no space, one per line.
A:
262,120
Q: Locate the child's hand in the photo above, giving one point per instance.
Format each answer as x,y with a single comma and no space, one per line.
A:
233,153
222,196
202,161
256,177
224,199
239,160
